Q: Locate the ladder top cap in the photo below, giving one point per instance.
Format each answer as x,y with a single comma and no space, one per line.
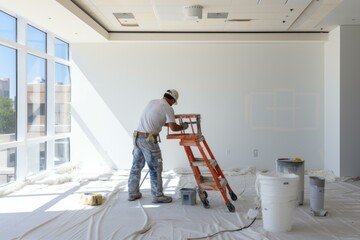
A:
187,115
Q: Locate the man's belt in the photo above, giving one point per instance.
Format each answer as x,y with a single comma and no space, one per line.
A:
144,134
150,137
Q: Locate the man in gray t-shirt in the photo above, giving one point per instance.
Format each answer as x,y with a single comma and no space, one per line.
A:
157,113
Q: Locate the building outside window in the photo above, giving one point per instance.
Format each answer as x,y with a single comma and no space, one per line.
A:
36,96
7,165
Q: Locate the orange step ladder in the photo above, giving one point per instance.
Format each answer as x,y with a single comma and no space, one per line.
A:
216,181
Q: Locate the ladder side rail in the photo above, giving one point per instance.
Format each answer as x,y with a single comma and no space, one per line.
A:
208,149
217,167
212,170
214,175
195,169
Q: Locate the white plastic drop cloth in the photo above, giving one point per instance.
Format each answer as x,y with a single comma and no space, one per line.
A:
50,209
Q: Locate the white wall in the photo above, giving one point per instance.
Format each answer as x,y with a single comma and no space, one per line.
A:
265,96
342,114
349,101
332,102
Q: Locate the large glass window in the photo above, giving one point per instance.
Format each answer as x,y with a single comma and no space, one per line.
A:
7,94
7,27
7,165
36,39
61,49
36,96
36,158
34,66
62,99
62,151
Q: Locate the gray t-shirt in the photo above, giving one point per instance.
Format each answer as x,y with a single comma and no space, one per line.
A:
155,115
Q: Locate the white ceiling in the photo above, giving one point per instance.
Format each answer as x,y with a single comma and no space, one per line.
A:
168,16
94,20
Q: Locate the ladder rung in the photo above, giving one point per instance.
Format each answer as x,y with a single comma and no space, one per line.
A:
199,162
191,141
208,183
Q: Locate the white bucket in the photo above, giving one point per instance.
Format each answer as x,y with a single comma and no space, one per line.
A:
278,193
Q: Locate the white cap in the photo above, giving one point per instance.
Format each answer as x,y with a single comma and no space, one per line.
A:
173,93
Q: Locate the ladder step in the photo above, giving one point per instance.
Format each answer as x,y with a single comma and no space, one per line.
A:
191,140
199,162
208,183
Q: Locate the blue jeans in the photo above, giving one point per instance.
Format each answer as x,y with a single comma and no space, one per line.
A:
151,153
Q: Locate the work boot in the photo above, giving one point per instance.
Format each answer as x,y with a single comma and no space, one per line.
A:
162,199
134,196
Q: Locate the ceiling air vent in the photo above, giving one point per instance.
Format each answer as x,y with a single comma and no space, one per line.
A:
126,19
217,15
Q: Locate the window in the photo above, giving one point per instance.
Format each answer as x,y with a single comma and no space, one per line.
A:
7,27
7,94
7,165
36,158
62,151
61,49
62,99
26,68
36,96
36,39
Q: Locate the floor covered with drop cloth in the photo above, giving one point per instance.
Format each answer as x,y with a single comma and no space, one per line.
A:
49,208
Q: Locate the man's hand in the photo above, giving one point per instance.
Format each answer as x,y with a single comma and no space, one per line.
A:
185,126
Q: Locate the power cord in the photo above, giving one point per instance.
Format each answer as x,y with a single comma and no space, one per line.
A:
234,230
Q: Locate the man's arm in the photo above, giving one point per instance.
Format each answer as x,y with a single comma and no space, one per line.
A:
175,127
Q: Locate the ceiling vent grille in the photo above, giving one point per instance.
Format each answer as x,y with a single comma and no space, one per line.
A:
126,19
217,15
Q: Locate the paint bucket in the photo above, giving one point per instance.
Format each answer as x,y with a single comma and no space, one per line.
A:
188,196
317,192
296,166
278,193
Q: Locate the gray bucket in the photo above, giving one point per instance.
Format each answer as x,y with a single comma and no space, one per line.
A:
289,165
188,196
317,191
